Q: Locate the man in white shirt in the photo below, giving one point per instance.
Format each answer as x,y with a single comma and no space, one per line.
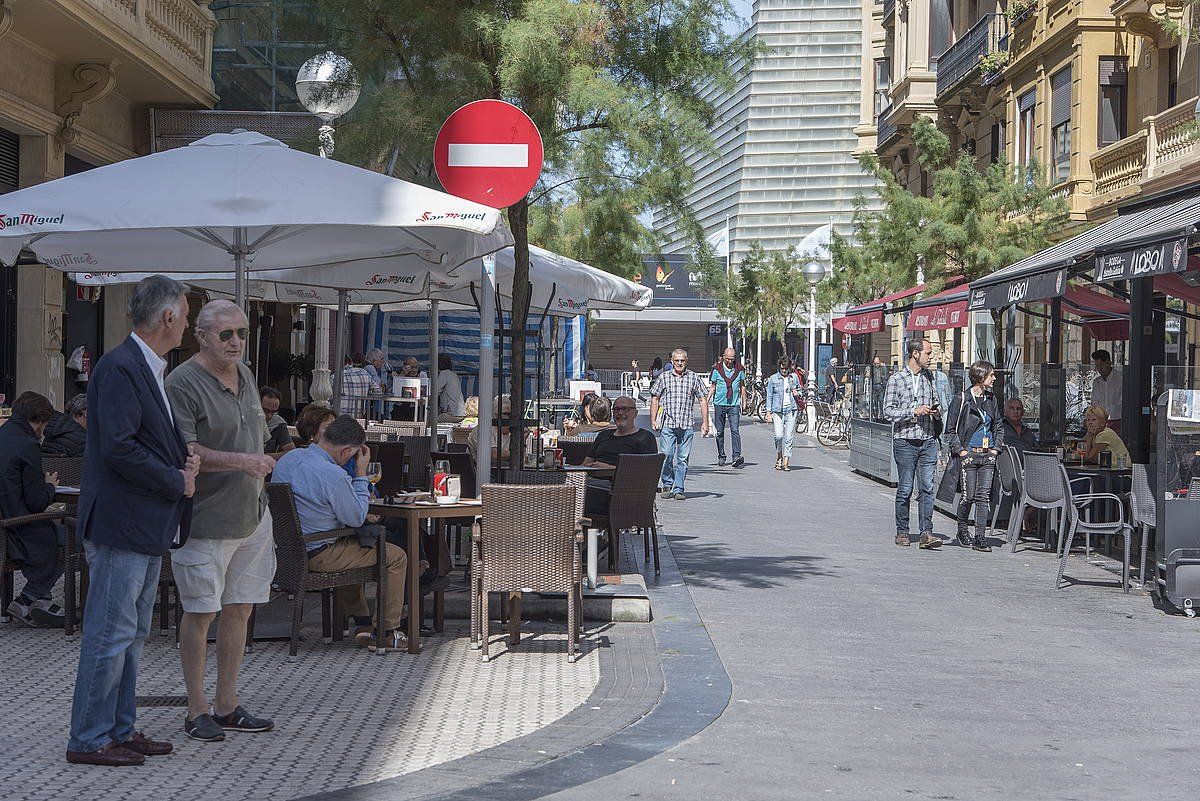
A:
1106,388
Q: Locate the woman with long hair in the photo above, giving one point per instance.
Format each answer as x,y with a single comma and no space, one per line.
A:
782,388
975,433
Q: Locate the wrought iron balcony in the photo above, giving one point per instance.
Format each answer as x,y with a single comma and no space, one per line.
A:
887,129
961,61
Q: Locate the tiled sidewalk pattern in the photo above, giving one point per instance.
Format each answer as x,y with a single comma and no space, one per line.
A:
343,717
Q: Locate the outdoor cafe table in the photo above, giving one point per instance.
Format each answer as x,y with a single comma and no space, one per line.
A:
413,514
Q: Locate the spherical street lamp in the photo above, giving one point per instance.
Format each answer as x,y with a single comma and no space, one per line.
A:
814,273
327,86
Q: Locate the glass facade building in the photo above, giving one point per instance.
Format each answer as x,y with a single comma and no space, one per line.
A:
784,164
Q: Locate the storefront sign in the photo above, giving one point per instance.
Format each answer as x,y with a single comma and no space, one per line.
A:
1158,259
939,318
861,323
1028,288
674,282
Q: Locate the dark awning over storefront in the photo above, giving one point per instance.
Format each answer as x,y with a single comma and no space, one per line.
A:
868,318
1146,241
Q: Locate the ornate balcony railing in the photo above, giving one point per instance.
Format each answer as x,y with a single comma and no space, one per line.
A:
181,31
1166,139
987,36
887,129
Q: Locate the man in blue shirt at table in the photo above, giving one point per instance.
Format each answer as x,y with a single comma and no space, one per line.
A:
328,499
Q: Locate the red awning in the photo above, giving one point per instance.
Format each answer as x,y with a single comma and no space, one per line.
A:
947,309
1105,317
1176,287
868,318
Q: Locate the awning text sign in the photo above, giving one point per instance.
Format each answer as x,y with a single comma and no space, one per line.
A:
1027,288
1158,259
862,323
938,318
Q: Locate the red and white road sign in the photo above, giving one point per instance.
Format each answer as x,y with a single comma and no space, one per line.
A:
490,152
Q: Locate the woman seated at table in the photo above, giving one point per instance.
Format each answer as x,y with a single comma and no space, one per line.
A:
1101,438
597,416
607,450
504,404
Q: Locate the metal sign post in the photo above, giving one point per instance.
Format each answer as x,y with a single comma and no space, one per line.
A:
487,327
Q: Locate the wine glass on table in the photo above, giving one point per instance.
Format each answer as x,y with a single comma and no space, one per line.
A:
374,472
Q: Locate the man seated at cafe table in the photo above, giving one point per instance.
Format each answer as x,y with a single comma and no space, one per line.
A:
279,439
66,433
610,443
1016,433
326,499
1101,438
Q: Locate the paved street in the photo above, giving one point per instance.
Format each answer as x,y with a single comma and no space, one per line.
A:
864,671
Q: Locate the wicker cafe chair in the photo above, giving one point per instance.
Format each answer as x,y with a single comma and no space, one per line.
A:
391,458
575,450
527,541
631,505
1041,488
1142,513
1075,522
293,576
8,566
69,469
416,460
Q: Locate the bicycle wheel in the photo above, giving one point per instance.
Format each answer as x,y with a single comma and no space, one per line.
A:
827,432
802,421
761,411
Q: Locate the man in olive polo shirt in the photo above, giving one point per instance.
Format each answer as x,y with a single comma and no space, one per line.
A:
228,561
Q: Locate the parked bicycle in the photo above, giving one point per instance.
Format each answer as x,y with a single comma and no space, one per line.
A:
755,402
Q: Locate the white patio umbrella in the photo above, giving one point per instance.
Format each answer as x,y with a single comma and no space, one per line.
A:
230,203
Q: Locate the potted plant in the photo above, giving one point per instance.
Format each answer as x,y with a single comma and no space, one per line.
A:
991,63
1020,10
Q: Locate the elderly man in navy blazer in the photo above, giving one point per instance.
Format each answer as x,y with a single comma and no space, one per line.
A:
135,503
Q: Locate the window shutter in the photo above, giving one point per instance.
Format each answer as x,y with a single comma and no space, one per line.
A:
1026,101
1060,97
1114,70
10,150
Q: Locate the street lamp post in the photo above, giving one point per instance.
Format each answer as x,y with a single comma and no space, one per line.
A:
814,273
327,86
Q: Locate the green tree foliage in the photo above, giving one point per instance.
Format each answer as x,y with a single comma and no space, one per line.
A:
770,285
613,85
973,223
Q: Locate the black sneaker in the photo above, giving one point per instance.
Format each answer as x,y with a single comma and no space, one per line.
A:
241,720
720,461
981,544
963,539
739,462
47,614
203,728
21,612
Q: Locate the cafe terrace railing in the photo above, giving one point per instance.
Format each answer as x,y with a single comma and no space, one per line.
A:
1161,146
961,59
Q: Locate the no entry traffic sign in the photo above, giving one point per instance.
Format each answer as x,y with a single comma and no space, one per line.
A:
490,152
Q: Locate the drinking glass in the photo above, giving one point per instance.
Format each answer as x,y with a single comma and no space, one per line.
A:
374,472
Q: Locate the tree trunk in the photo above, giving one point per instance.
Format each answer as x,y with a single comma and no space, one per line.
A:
518,223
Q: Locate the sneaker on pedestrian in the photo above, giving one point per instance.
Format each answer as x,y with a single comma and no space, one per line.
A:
903,541
963,538
47,614
20,611
981,544
929,542
203,728
739,462
664,490
720,461
677,495
241,720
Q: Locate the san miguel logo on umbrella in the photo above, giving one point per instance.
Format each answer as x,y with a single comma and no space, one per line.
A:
27,218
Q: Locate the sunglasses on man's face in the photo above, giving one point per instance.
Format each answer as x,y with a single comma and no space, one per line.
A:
226,335
678,361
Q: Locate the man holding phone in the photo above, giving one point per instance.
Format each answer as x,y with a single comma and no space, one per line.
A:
910,404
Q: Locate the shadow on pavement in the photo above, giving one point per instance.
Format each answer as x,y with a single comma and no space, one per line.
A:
711,565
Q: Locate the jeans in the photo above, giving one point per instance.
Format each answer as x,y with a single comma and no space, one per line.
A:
977,472
734,415
915,462
676,443
785,428
116,622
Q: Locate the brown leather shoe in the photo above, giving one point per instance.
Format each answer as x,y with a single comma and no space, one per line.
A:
929,542
141,744
111,755
902,540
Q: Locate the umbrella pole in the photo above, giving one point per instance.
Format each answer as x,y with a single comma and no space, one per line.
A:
487,325
340,347
431,410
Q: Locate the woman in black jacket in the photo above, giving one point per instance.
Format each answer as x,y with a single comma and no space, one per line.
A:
975,434
26,490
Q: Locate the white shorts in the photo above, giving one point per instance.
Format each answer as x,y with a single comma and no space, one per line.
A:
210,574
